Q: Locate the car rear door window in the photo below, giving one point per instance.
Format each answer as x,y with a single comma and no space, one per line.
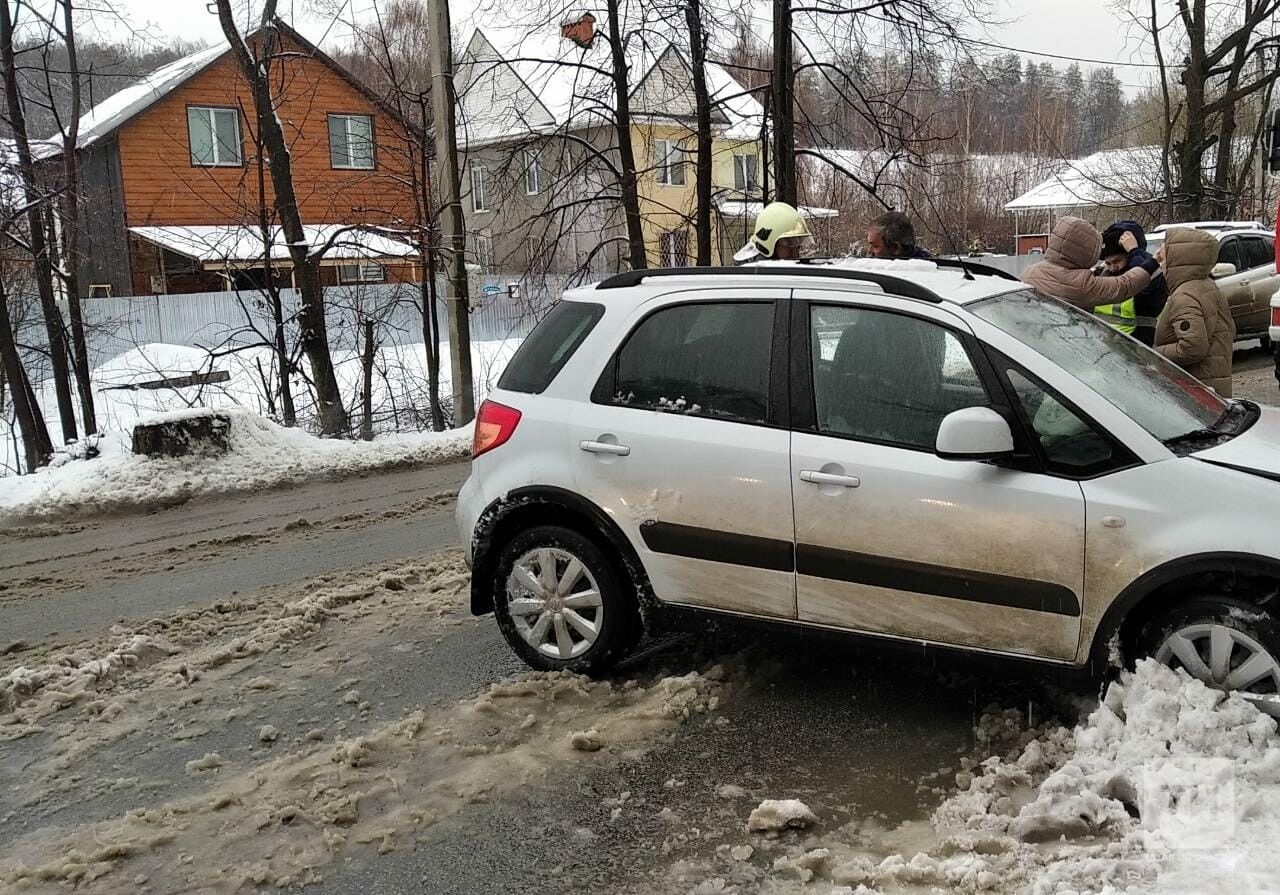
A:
706,359
548,348
1256,252
885,377
1229,253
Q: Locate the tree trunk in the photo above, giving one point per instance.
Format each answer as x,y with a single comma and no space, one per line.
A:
428,266
71,229
366,383
54,327
627,181
314,335
702,108
288,413
36,446
784,121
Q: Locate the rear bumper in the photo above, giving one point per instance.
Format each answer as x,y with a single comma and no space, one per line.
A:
471,504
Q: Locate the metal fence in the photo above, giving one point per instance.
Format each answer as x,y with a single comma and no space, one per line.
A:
216,320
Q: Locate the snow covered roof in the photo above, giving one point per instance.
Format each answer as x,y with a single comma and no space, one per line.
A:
515,81
740,208
231,244
1113,178
123,105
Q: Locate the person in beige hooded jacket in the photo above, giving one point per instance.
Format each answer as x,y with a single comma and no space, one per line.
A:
1195,329
1066,272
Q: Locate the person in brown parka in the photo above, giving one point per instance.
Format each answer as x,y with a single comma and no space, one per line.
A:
1195,329
1066,272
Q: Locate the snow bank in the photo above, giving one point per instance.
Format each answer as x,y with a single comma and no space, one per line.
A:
1167,788
262,455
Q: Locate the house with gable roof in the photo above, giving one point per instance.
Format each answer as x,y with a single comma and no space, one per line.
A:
173,179
540,146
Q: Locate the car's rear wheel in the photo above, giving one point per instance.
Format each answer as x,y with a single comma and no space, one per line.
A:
1227,643
561,602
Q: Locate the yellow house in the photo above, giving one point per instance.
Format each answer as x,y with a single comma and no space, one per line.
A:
541,155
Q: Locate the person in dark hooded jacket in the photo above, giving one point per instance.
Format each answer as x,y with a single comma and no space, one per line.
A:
1134,316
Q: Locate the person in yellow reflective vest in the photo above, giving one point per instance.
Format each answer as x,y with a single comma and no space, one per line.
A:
1135,316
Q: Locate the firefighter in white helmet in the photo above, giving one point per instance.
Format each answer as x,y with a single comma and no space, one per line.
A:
780,234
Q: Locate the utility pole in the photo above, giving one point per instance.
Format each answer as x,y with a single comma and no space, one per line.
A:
452,229
784,121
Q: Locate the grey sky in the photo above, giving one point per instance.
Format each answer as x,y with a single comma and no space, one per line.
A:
1088,28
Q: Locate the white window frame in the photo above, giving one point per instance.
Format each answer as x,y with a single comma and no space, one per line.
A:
532,172
479,189
663,153
213,134
749,184
346,130
366,272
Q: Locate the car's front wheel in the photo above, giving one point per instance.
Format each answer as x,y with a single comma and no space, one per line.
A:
1225,642
561,603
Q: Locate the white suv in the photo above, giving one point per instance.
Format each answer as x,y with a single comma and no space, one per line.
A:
897,449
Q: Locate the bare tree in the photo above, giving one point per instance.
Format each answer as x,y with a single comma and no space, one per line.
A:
1224,70
255,67
37,448
36,240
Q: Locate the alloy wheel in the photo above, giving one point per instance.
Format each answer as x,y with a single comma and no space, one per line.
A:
554,602
1226,659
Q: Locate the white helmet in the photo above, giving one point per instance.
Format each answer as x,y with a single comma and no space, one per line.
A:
776,221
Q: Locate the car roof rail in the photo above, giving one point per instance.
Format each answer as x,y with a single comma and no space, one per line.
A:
890,284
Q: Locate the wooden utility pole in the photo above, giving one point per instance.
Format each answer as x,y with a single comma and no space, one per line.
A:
453,230
783,105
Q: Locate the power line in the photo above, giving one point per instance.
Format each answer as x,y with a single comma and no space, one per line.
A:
995,46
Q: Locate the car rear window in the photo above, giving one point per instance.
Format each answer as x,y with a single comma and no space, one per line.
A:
549,347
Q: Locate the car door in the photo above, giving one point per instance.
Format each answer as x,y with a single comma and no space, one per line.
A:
891,538
1258,282
683,446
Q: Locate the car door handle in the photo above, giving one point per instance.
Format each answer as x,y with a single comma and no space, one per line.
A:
604,447
814,477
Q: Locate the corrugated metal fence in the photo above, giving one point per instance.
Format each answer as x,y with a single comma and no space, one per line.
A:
216,320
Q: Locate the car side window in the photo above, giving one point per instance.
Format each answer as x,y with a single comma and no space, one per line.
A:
886,377
1256,252
707,359
1068,444
1228,253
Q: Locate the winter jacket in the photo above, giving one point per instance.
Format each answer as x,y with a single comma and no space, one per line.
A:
1147,303
1195,330
1067,269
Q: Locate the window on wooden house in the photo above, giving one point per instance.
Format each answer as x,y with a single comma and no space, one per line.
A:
214,136
361,272
351,142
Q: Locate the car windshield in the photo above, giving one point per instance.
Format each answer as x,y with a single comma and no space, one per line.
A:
1143,385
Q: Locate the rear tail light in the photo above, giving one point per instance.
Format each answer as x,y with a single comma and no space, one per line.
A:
495,423
1275,316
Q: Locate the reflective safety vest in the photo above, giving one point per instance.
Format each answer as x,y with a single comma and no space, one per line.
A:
1124,316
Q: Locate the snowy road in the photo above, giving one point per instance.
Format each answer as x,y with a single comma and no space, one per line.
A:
65,579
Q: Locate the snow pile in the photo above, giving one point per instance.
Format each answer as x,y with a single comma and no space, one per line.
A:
70,678
1167,787
262,455
123,392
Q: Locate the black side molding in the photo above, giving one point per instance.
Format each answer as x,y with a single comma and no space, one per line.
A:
719,546
937,581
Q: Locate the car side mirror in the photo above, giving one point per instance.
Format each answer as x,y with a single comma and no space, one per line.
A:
1222,269
974,433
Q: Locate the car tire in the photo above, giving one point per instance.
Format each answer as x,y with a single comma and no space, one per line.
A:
1226,642
1265,341
562,603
